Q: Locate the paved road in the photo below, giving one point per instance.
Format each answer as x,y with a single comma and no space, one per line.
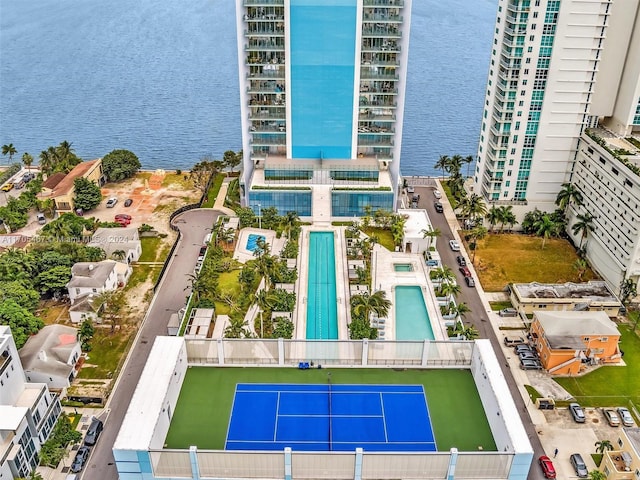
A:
479,316
170,297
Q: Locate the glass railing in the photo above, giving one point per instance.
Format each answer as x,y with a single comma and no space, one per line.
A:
249,3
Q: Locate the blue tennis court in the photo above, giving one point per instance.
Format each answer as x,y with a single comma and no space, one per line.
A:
312,417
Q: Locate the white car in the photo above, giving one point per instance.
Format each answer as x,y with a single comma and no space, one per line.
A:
437,194
455,246
112,202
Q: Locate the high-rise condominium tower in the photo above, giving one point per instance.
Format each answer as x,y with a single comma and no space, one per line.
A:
557,66
322,87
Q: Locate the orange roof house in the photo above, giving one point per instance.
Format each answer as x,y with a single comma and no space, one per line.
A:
61,191
565,340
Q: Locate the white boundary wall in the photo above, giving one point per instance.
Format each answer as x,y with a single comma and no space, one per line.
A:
143,458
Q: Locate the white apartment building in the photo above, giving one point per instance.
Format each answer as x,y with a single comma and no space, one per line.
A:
610,185
322,88
555,68
28,413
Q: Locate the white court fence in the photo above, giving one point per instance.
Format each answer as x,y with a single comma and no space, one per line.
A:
361,353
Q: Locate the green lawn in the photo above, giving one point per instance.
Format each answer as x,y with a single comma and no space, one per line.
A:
611,385
202,414
106,352
151,247
511,258
385,238
213,191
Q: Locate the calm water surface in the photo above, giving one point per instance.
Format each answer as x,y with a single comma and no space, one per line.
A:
160,78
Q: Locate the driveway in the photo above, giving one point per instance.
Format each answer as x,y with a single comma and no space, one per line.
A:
194,225
480,315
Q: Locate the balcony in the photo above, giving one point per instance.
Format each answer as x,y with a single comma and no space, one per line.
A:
383,3
379,60
377,101
271,28
366,73
386,89
262,60
370,16
376,114
381,30
375,46
265,3
375,129
265,45
268,127
268,88
369,140
268,113
259,73
261,140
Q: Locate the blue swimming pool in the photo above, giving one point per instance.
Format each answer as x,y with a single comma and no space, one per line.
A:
412,319
322,309
252,241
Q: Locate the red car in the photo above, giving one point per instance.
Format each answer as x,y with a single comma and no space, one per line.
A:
547,467
123,221
123,216
465,271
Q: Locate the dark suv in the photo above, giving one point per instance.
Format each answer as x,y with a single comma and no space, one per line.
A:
438,206
93,433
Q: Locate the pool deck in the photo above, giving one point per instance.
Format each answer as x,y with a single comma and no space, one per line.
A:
386,278
342,282
243,255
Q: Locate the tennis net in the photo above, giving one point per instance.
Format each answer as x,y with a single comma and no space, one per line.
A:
329,390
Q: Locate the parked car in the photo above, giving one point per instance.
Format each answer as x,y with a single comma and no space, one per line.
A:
20,185
41,218
27,177
513,341
80,459
461,261
578,465
508,312
455,246
577,413
123,221
438,206
465,271
94,432
128,202
410,189
625,417
612,417
7,187
123,216
529,364
112,202
437,194
522,347
470,281
547,467
527,356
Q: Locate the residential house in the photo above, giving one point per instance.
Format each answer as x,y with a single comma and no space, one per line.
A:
589,296
62,192
96,277
565,340
28,413
50,356
85,307
623,462
113,240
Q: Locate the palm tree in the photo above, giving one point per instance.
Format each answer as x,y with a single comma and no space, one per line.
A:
431,233
568,196
448,290
47,161
545,228
506,215
27,160
468,160
469,332
494,217
473,207
603,445
10,150
580,266
442,164
119,255
597,475
444,274
236,328
583,226
459,310
455,164
366,304
290,220
478,233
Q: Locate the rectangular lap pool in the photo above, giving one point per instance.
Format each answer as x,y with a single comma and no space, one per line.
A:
322,309
412,319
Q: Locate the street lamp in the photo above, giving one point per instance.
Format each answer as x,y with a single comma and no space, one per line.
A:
259,216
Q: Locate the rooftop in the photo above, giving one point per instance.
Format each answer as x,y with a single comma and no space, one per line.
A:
80,170
565,329
53,180
10,416
594,290
49,350
91,274
417,221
